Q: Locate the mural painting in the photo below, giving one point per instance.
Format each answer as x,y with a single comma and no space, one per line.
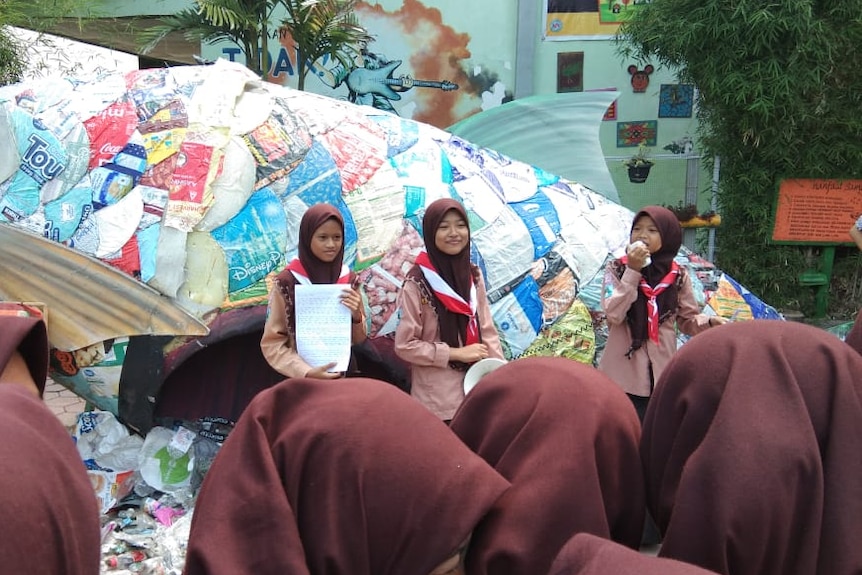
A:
417,65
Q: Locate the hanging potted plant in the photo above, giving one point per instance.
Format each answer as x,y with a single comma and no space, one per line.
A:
639,165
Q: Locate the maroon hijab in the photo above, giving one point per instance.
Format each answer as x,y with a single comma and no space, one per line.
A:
566,437
319,272
49,518
455,270
28,336
320,478
586,554
671,240
854,336
752,448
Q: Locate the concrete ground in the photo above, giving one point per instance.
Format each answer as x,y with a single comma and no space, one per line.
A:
65,404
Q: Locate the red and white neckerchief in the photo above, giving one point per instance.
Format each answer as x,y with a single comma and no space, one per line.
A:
450,298
298,271
652,293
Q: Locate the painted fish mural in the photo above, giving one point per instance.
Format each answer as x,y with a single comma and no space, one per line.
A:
150,211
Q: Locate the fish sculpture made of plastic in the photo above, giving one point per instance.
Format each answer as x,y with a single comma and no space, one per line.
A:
151,210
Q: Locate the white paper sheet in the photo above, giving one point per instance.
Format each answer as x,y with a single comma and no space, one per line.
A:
323,329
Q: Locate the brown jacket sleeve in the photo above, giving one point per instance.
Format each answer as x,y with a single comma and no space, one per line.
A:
277,344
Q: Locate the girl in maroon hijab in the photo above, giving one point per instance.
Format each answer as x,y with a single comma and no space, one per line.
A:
49,519
751,447
645,296
339,480
566,438
320,261
445,322
586,554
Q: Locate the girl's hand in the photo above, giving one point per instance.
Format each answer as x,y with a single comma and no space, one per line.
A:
469,354
715,320
637,257
322,372
353,301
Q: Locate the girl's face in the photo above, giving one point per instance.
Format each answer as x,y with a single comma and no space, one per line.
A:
453,234
327,241
646,231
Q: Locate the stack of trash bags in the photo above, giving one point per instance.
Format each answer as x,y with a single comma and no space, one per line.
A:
146,487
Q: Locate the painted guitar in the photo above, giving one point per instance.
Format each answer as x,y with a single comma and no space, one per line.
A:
365,81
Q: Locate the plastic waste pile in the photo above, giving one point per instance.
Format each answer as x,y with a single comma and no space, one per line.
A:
145,487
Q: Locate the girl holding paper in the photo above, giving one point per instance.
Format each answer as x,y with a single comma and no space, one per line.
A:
320,261
445,321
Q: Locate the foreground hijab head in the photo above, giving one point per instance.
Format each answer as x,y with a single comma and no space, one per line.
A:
566,437
28,337
319,271
318,478
586,554
49,518
751,446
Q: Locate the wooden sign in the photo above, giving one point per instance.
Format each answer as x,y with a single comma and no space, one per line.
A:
809,211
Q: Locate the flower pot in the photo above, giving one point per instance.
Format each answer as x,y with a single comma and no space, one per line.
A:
638,174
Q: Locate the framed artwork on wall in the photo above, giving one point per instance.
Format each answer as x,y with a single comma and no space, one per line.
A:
675,101
568,19
632,134
570,72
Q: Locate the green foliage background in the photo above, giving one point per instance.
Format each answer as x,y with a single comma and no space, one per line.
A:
36,15
12,64
779,97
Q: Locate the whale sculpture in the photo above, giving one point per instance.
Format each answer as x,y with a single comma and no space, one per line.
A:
150,211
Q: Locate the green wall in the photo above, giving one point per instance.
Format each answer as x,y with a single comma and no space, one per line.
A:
603,68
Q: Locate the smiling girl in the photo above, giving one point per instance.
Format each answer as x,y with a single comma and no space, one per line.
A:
321,251
445,321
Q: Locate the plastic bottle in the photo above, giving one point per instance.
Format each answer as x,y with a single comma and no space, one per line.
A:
124,560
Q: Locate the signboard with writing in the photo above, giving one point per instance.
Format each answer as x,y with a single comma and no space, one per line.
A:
812,211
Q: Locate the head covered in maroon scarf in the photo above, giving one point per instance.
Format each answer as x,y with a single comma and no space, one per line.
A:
455,270
671,240
566,437
27,336
586,554
49,518
320,478
319,272
751,447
